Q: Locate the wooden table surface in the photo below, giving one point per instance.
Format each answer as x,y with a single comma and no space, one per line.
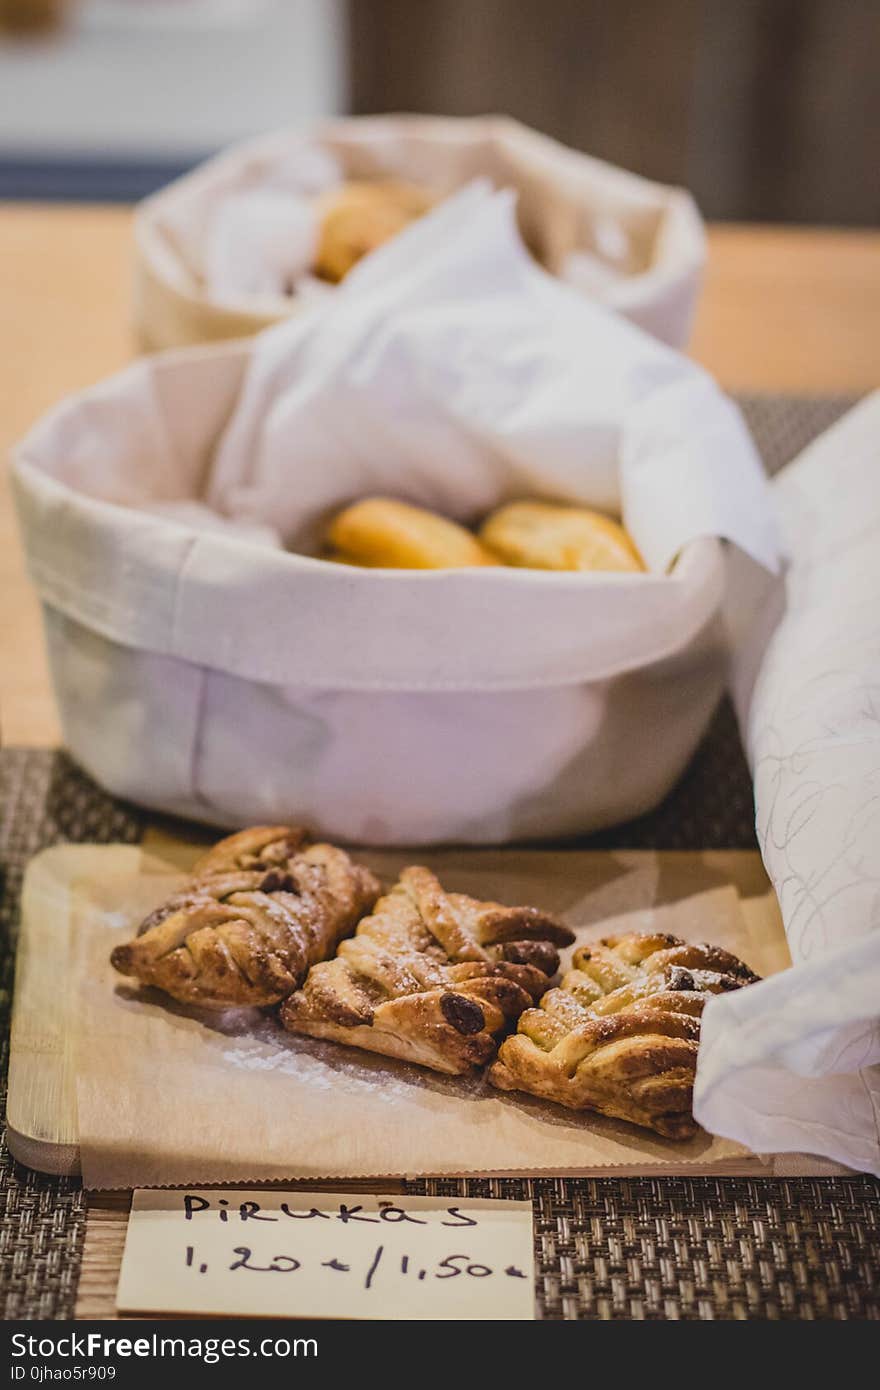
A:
782,310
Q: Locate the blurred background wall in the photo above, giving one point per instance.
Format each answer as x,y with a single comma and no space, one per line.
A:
766,109
111,98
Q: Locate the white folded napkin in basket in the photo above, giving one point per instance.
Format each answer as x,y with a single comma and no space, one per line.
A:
451,370
793,1064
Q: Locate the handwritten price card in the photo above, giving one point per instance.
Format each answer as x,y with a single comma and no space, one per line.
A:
326,1254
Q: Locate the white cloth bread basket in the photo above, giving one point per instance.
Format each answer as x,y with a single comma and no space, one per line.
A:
565,200
197,672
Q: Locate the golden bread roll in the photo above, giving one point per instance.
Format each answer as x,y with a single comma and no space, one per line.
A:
357,217
381,532
551,536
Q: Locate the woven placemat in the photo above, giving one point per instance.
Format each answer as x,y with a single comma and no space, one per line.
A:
615,1248
697,1248
44,800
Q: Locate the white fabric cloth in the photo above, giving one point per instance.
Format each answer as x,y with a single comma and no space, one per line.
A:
251,231
261,244
793,1064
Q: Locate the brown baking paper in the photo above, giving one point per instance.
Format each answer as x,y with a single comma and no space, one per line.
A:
167,1095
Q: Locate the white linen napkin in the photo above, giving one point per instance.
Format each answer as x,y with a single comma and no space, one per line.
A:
260,243
793,1064
250,231
450,369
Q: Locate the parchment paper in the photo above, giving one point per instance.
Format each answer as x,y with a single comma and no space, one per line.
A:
167,1096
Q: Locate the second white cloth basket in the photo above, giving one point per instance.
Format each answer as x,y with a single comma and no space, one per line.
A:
571,206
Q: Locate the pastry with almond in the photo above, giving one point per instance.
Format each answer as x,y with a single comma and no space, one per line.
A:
430,977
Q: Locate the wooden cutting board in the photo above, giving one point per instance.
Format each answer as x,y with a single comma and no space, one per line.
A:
41,1109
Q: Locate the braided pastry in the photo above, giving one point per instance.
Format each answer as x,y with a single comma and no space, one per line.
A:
260,908
621,1033
431,977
